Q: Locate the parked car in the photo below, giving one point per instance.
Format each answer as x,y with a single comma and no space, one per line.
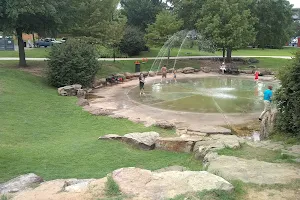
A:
64,40
47,42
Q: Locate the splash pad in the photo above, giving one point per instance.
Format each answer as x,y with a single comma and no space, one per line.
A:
219,94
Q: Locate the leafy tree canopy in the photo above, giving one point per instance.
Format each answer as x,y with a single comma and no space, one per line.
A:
166,25
227,23
275,22
140,13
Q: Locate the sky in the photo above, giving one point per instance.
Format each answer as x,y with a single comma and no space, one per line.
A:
296,3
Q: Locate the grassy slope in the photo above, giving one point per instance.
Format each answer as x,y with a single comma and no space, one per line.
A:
51,136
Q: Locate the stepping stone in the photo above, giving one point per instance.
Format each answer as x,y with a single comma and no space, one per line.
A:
209,129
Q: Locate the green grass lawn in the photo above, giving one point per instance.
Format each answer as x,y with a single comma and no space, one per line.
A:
51,136
30,53
288,51
269,63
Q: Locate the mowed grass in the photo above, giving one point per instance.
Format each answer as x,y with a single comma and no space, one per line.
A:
51,136
30,53
274,64
287,51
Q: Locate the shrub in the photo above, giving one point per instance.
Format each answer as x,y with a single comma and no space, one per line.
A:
133,41
74,62
288,98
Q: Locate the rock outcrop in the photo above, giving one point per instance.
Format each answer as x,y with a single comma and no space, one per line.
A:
70,90
20,183
133,182
144,184
267,124
144,141
188,70
165,124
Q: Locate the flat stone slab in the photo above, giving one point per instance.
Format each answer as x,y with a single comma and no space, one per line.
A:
208,129
144,184
252,171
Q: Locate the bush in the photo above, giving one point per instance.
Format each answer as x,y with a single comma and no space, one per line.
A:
74,62
133,41
288,98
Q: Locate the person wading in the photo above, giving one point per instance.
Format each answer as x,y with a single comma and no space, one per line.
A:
142,84
164,73
267,101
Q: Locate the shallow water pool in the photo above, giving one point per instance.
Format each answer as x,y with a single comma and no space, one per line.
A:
205,95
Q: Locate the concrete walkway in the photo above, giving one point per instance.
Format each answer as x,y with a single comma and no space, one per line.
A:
153,58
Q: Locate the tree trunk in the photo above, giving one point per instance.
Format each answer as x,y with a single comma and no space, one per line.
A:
223,54
22,60
228,58
33,39
114,54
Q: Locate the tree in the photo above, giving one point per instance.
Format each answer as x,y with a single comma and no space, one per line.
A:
274,22
288,98
27,17
74,62
133,41
188,11
101,21
166,25
227,23
140,13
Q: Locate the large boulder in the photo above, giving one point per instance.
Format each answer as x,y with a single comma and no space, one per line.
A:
144,184
247,71
20,183
110,137
70,90
69,189
214,143
264,72
253,61
176,144
165,124
128,75
252,171
188,70
145,141
152,74
206,69
267,124
180,70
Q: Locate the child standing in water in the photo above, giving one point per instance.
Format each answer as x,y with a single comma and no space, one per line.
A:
142,84
256,75
174,76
